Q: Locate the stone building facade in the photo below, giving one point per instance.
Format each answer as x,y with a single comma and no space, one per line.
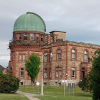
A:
69,59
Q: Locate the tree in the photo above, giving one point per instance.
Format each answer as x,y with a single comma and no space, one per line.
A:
91,82
95,75
8,83
85,84
32,66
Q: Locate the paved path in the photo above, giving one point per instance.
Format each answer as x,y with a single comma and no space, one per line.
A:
30,96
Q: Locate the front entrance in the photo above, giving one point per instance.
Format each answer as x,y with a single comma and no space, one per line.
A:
82,73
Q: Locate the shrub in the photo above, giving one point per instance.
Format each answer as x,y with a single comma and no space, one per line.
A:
8,83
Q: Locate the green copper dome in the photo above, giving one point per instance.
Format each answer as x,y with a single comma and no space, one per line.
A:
29,22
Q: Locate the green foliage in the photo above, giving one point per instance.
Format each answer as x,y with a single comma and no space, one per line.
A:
91,82
32,66
8,83
85,84
96,77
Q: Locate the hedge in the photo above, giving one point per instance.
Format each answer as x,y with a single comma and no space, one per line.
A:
8,83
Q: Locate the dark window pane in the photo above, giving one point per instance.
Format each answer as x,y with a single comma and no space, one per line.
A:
37,36
22,74
41,37
19,35
25,36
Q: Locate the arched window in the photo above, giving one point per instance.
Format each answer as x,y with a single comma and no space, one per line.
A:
59,54
45,57
73,54
85,56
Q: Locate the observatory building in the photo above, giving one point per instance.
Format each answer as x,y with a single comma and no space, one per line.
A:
69,59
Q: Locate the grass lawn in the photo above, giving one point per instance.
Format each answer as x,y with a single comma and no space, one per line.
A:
4,96
56,93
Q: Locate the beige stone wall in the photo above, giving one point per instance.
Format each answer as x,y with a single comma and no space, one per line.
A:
66,62
80,48
61,35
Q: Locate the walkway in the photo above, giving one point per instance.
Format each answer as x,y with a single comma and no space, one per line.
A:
30,96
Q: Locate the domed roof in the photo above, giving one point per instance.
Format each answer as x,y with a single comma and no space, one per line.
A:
29,22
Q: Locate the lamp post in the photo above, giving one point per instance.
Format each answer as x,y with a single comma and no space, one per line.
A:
42,72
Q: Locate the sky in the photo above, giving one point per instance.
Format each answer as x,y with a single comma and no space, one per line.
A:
80,19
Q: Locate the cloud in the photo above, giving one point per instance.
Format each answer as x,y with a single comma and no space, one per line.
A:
5,57
80,19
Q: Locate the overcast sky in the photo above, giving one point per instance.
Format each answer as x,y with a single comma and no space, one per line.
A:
80,19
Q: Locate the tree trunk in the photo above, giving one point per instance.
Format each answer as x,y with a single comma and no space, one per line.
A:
32,83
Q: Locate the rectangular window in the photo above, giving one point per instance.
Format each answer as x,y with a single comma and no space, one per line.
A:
21,74
60,74
23,58
31,36
45,73
25,36
59,56
20,58
85,58
73,74
41,37
73,56
37,36
19,36
57,74
45,58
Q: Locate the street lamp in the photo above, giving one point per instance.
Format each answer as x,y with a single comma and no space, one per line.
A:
42,72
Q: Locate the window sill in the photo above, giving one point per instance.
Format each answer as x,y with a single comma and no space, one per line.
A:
73,77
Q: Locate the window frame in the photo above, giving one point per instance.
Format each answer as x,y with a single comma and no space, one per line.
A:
23,57
41,37
20,36
45,57
85,56
25,36
45,73
21,76
31,36
73,70
37,37
59,54
57,72
73,54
